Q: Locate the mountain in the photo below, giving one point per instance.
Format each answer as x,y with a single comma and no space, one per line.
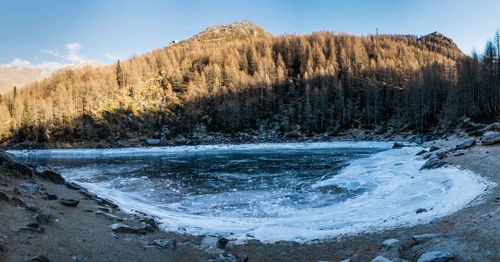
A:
239,79
20,76
11,76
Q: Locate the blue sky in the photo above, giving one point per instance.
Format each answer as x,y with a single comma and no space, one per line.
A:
57,31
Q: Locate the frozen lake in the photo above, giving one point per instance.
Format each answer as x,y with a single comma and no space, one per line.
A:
270,192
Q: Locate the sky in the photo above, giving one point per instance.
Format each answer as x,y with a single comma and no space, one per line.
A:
55,32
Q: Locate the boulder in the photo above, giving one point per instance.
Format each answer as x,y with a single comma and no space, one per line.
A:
69,202
421,210
222,242
421,152
43,219
169,244
434,148
11,162
398,145
466,144
433,163
436,256
490,138
29,186
49,174
441,154
391,243
122,228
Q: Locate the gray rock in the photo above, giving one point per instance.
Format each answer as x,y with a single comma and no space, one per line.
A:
48,196
33,227
421,152
441,154
490,138
423,237
29,186
153,142
214,242
436,256
39,259
4,196
43,219
222,242
11,162
381,259
420,210
398,145
122,228
73,186
391,243
79,258
49,174
69,202
434,148
169,244
433,163
466,144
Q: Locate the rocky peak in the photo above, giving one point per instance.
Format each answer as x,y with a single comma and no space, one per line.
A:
237,30
437,38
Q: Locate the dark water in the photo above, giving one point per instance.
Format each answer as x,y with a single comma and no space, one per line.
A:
216,183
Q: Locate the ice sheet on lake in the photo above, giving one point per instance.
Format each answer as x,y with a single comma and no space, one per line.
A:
392,184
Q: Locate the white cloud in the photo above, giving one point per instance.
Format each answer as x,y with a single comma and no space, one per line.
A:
18,62
71,56
113,57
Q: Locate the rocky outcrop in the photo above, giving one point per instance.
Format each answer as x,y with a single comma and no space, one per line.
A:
466,144
433,163
49,174
12,163
490,138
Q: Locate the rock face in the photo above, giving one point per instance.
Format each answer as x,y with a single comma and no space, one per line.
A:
490,138
49,174
12,163
466,144
436,256
433,163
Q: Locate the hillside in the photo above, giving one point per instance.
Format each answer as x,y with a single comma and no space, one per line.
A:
237,78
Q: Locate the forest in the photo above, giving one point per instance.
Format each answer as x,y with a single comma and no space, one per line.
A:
242,79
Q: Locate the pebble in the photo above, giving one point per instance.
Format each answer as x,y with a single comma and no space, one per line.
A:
381,259
390,243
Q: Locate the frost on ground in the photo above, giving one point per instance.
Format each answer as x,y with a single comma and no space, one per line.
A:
391,192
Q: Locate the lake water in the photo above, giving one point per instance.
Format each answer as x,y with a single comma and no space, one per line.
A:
270,191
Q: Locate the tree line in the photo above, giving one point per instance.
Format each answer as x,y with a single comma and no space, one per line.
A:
323,82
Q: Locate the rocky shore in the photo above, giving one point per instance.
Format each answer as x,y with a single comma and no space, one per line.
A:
44,218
